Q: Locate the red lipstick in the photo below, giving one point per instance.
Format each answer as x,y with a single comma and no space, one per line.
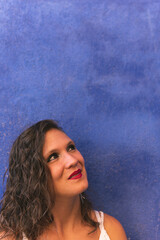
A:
76,174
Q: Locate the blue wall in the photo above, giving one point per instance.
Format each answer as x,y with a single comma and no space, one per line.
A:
93,65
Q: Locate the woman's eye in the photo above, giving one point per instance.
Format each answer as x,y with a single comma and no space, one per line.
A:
71,147
52,157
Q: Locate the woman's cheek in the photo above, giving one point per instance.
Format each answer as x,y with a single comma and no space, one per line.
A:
79,156
56,171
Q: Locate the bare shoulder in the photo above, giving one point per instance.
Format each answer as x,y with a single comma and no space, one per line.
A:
114,228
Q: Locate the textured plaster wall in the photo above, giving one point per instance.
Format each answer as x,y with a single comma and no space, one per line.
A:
93,65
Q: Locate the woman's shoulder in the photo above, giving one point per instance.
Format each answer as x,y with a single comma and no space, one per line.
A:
3,237
114,228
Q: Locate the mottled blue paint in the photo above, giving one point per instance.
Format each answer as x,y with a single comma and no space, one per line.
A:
94,66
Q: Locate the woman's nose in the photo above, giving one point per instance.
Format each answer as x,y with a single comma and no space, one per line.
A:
70,160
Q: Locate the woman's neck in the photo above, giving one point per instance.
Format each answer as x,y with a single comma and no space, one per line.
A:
67,213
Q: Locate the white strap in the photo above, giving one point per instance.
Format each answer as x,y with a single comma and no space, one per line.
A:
100,216
24,237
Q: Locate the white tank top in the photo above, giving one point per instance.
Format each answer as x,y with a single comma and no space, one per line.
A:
100,219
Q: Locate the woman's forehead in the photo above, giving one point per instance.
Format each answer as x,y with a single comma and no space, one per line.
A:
54,139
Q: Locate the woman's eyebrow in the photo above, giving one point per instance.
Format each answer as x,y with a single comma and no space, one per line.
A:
70,142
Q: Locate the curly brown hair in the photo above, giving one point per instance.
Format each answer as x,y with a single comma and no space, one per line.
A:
28,199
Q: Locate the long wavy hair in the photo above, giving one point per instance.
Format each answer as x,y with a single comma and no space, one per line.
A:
29,196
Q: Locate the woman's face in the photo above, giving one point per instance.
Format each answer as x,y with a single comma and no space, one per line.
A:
66,164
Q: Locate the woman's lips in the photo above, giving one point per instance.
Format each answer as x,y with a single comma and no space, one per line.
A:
75,174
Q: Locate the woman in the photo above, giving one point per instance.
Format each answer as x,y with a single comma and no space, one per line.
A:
44,197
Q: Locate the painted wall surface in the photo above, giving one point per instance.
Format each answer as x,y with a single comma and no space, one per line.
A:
93,65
